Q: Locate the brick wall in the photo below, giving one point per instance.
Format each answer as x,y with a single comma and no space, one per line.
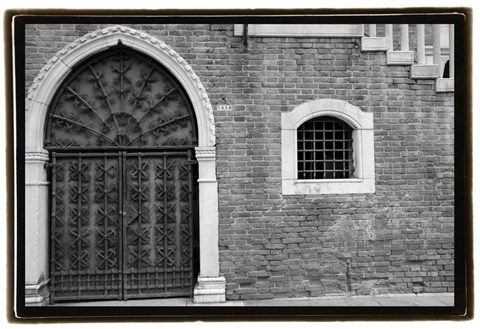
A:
398,240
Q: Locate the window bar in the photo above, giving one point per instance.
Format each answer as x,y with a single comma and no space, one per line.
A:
351,156
334,152
324,163
306,155
314,155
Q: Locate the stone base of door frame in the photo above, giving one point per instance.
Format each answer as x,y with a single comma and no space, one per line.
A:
37,294
209,290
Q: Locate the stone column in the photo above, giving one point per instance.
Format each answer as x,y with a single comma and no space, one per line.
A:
404,44
451,50
437,49
421,43
389,36
421,70
37,275
210,287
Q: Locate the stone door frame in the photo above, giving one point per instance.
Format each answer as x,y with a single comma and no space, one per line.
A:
210,286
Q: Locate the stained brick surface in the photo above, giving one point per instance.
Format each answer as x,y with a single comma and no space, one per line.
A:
398,240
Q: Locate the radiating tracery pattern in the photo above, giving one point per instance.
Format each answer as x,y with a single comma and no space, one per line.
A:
121,134
120,99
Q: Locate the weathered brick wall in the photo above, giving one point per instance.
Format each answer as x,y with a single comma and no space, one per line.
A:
398,240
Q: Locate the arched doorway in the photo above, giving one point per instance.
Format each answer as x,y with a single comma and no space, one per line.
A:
210,287
121,133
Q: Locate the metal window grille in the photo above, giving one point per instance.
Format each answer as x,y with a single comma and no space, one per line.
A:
324,146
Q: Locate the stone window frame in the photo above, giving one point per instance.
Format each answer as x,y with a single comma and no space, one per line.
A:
363,149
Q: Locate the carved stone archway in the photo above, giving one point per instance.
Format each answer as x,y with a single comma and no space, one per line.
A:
210,286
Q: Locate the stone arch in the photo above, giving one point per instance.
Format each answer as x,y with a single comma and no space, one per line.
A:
57,68
327,107
210,287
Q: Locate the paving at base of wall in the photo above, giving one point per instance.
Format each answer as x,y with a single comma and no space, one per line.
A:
411,300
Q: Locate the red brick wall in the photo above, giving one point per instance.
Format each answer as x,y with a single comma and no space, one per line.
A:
398,240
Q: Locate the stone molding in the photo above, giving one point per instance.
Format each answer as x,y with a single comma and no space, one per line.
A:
37,294
301,30
205,153
341,109
209,290
37,156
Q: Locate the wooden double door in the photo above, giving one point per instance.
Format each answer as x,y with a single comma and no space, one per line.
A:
122,225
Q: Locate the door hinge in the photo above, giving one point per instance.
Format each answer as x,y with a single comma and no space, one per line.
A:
48,165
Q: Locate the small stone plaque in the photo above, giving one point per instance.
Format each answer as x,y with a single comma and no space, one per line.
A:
224,107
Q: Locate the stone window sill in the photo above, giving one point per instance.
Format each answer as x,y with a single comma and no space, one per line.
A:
328,186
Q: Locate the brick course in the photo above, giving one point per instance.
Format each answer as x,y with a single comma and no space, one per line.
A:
398,240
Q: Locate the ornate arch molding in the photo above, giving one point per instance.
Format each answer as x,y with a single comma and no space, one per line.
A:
210,286
57,68
333,107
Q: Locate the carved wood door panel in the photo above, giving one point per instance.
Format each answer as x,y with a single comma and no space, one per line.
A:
158,231
121,225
